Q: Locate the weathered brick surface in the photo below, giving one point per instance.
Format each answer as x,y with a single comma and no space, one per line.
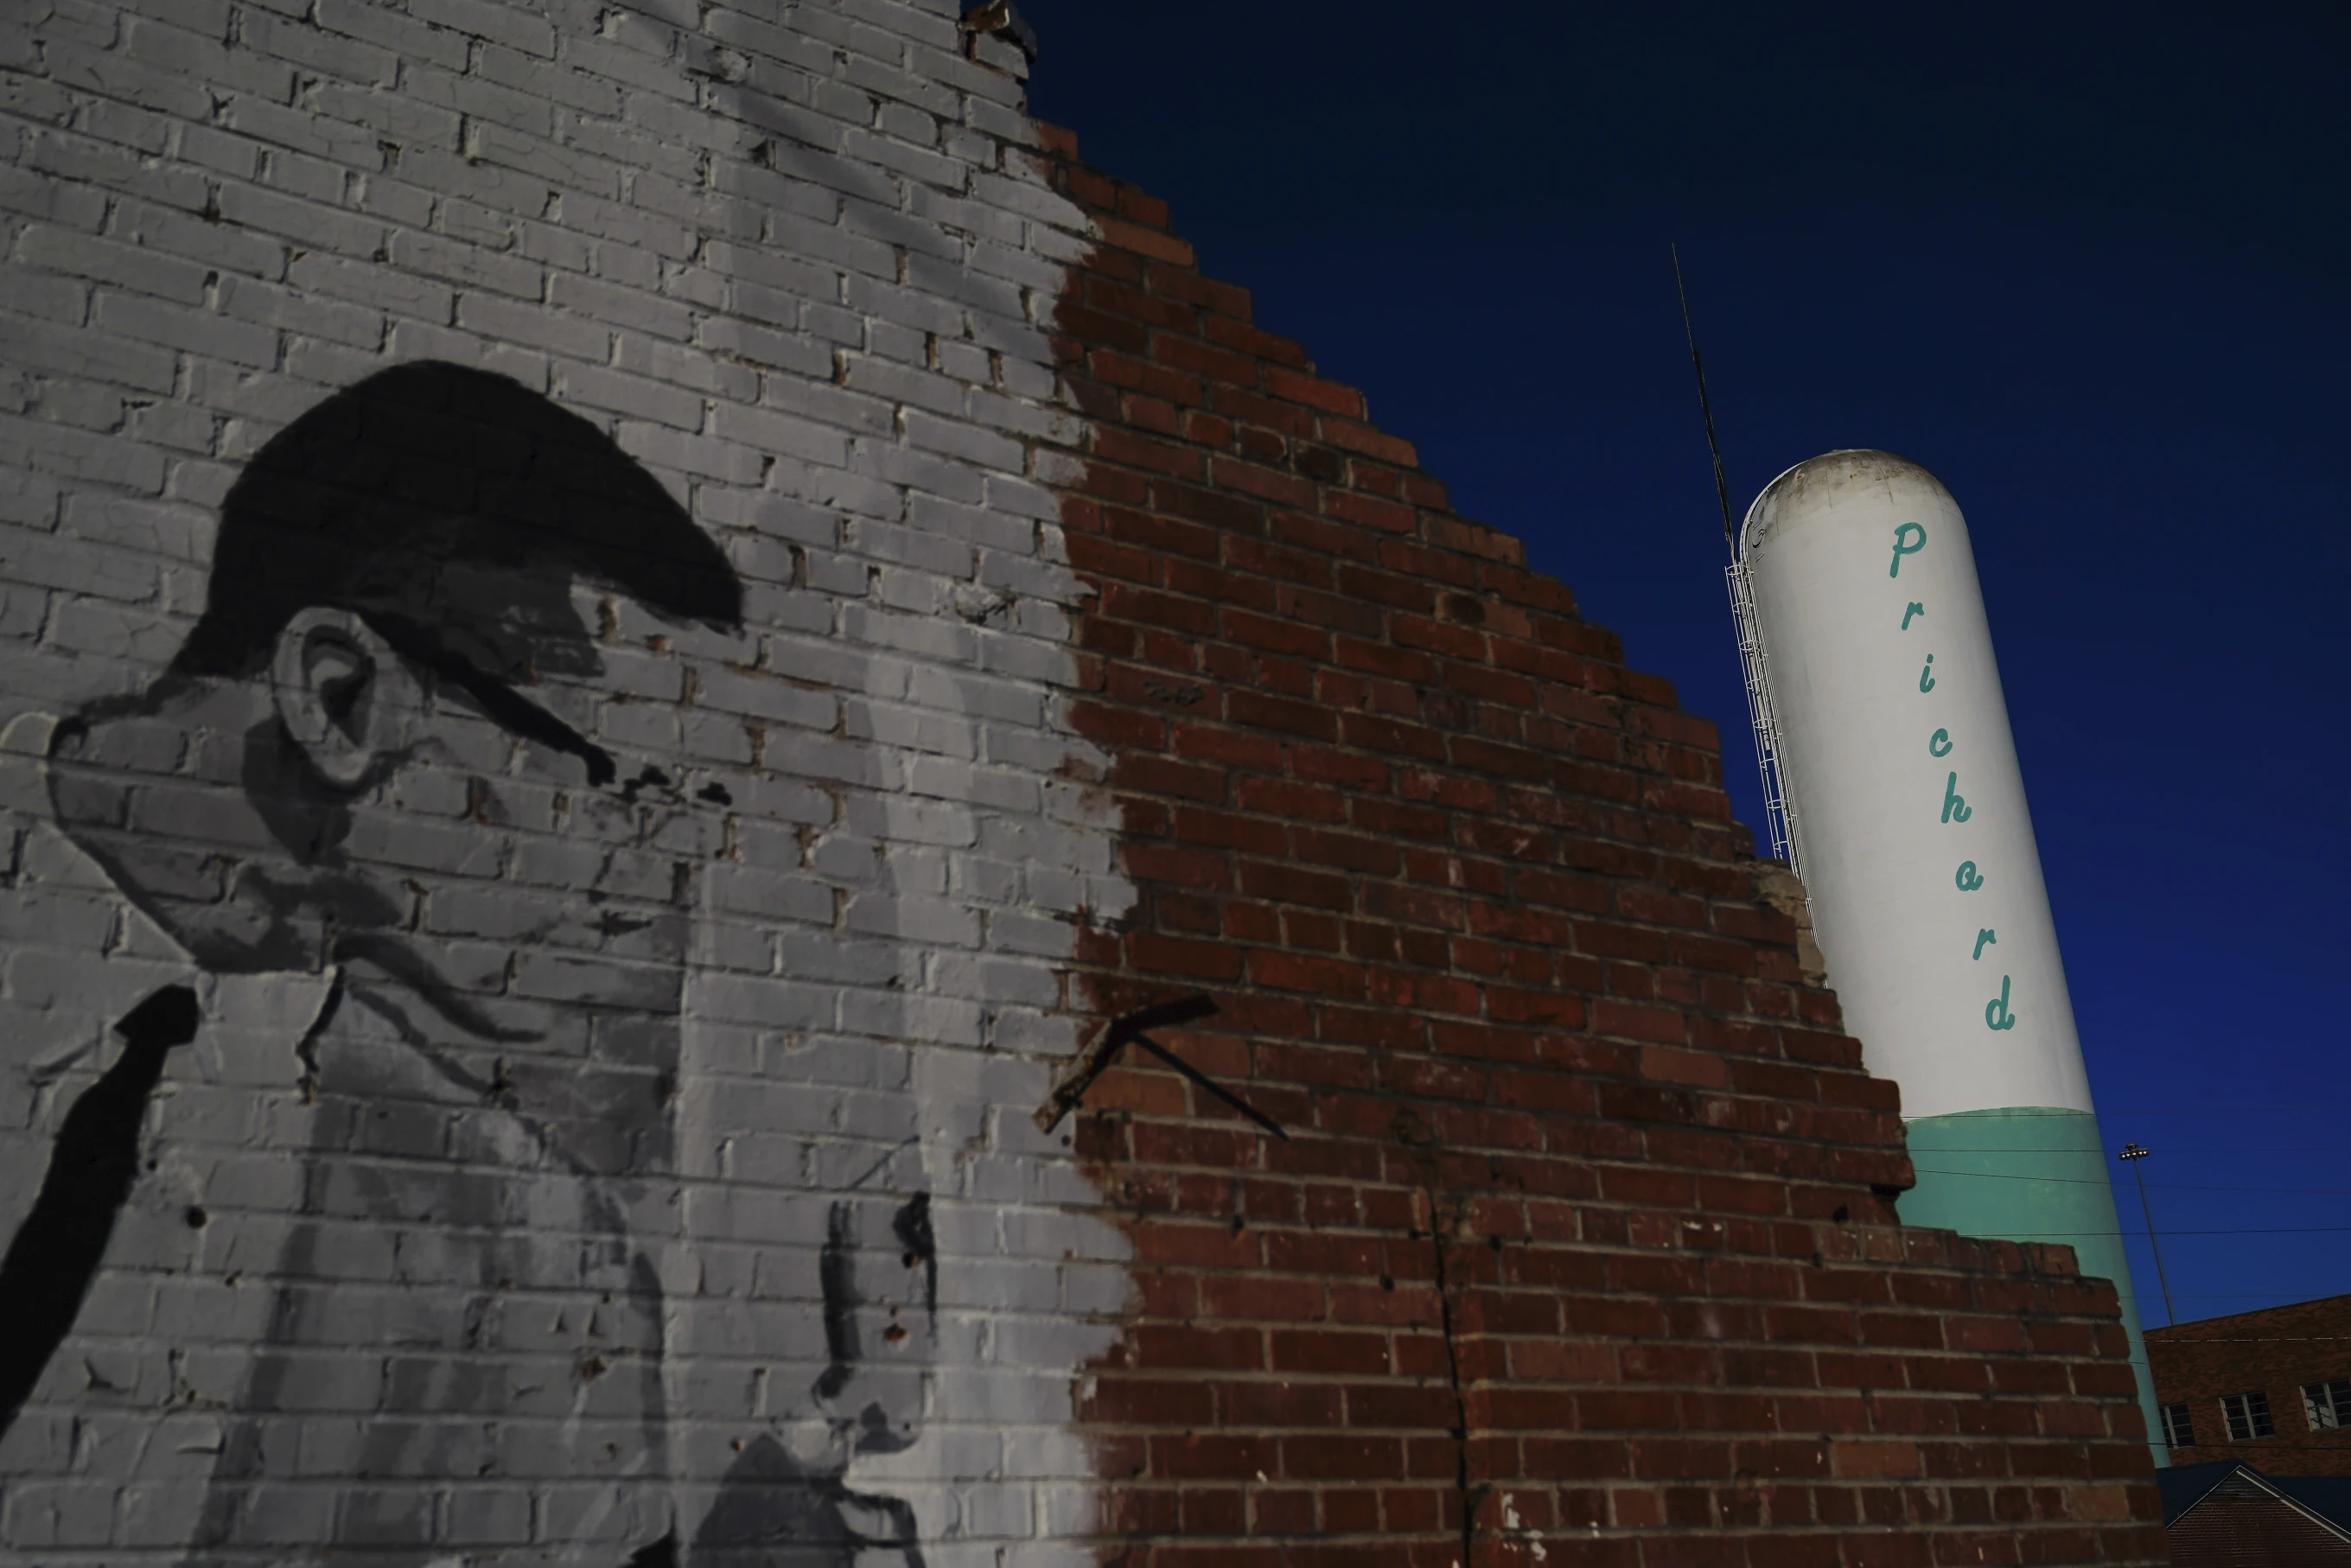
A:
570,1127
2277,1351
1582,1247
796,260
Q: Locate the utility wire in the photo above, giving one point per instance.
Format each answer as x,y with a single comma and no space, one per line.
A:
2158,1185
2224,1111
2201,1149
2244,1296
2254,1339
2230,1445
2229,1230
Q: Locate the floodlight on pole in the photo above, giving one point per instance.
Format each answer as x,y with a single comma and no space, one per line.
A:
2130,1155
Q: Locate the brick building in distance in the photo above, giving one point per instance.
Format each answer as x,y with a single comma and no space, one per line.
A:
2271,1388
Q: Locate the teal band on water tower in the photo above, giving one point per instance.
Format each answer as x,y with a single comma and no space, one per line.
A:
2029,1173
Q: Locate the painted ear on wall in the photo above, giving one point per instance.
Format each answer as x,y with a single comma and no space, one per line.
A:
329,676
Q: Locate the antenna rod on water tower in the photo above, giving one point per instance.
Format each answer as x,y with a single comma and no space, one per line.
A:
1705,408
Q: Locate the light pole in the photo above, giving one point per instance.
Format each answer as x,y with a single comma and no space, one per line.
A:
2131,1155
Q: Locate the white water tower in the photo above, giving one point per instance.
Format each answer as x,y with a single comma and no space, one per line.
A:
1891,783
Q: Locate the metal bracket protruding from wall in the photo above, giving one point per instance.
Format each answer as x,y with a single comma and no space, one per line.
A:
1097,1057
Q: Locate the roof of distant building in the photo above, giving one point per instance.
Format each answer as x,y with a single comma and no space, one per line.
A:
2327,1499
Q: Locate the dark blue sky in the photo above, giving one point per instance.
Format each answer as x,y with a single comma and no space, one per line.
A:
2086,262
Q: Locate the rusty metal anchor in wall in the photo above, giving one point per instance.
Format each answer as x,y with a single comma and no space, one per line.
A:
1096,1058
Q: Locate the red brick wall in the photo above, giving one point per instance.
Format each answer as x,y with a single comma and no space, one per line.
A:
1581,1249
2277,1351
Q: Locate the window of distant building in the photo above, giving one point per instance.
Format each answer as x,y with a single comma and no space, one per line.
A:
2247,1415
2328,1405
2177,1429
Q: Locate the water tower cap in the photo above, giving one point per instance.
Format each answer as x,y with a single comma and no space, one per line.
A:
1830,472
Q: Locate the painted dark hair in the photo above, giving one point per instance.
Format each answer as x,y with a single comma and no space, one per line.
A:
360,502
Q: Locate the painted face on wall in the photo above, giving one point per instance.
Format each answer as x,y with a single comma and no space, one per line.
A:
410,730
428,734
439,743
422,792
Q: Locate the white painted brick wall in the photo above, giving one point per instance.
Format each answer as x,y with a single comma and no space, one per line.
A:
795,258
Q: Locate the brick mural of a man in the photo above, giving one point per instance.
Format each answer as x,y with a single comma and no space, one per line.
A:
425,741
